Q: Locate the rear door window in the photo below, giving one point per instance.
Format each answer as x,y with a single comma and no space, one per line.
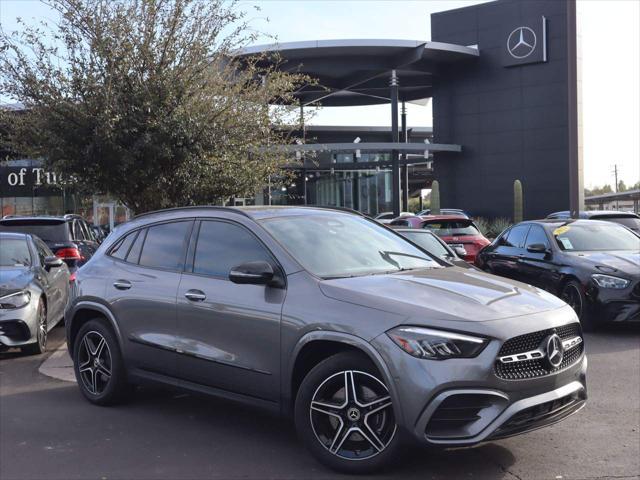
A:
165,245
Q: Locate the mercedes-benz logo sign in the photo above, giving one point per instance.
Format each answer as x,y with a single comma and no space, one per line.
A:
554,350
521,42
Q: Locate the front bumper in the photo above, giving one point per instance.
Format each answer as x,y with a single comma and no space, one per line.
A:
461,402
18,326
616,306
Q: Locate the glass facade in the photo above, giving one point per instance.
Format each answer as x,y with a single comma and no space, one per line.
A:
368,191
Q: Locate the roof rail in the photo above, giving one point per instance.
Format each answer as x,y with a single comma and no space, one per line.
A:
194,207
340,209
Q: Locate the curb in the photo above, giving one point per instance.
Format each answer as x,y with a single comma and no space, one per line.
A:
59,365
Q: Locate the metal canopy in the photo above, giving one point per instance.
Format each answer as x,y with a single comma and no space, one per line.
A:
370,146
356,72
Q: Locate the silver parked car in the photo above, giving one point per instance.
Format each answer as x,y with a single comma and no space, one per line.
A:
329,317
34,289
433,244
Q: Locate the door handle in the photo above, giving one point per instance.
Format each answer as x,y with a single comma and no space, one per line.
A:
122,284
195,295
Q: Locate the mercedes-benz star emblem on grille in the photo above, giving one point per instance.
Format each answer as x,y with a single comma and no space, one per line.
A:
555,350
521,42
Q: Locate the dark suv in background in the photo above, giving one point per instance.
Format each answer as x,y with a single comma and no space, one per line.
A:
69,237
330,317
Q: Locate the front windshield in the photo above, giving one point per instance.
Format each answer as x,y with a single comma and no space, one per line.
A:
595,237
427,242
14,252
451,228
334,246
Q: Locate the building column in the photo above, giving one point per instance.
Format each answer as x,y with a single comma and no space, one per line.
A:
395,167
405,169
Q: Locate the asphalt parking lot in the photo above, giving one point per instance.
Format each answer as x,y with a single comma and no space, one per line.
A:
48,431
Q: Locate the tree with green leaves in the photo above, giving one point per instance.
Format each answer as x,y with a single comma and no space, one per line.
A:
146,101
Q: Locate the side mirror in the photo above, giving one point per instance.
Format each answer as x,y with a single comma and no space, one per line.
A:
537,248
460,251
52,262
254,273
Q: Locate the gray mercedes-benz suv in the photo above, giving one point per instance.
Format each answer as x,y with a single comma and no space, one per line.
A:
329,316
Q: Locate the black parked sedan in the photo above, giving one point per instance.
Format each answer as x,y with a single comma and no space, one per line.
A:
592,265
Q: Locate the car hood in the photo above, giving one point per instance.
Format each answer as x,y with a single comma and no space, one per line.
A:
627,262
450,293
13,278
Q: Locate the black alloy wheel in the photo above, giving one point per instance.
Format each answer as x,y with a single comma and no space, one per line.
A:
98,364
344,413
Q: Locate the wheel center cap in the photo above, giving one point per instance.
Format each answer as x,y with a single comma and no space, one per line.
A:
353,414
96,362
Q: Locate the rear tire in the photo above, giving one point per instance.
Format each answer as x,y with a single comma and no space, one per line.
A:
98,364
40,346
344,415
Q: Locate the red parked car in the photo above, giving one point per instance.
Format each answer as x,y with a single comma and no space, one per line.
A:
455,230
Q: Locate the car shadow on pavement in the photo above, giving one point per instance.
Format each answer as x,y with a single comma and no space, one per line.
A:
168,434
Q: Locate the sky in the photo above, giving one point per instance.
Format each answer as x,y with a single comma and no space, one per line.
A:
610,62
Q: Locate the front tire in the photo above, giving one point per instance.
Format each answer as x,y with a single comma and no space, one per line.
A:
344,415
40,346
573,294
98,364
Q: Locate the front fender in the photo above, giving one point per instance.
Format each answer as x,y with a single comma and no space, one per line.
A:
72,318
352,341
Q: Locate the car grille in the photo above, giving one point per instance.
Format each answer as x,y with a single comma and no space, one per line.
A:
537,367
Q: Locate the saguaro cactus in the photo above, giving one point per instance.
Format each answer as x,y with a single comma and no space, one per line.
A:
435,198
517,201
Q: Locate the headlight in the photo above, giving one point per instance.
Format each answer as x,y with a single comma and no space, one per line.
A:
436,344
15,300
607,281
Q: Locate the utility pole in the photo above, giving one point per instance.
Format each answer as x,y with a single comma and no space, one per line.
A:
615,174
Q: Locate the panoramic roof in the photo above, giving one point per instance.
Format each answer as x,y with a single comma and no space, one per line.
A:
357,72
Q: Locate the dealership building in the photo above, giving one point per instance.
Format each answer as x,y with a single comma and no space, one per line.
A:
502,78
